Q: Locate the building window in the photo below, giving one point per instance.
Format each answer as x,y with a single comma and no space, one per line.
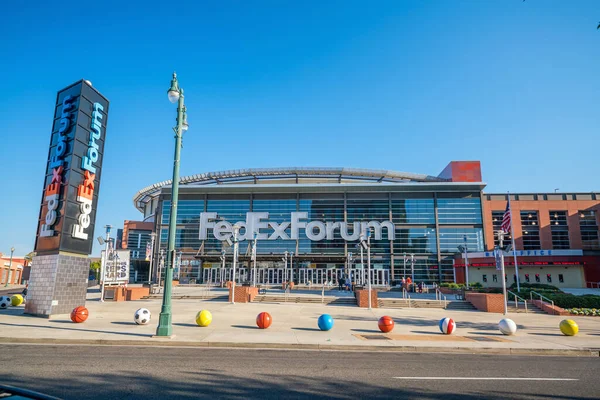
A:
485,278
497,221
495,277
549,278
561,278
531,230
537,278
559,229
589,230
526,277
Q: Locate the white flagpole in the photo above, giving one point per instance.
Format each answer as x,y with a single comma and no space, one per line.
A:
512,236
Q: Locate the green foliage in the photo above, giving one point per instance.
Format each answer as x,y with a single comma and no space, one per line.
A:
538,287
476,285
95,268
453,286
594,312
446,284
565,300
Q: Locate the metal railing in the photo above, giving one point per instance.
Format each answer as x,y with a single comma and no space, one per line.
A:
517,297
439,296
592,285
542,297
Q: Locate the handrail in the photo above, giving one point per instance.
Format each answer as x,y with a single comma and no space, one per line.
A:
516,300
439,295
541,297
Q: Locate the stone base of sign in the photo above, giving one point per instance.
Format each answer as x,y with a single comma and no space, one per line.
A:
57,284
122,293
362,298
244,294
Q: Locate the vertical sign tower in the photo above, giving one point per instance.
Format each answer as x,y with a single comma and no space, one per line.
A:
58,281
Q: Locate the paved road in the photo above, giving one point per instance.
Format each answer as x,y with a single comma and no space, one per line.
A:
112,372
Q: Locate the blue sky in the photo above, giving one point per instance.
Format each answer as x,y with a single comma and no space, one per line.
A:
399,85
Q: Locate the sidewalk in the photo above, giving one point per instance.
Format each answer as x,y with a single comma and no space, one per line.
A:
295,327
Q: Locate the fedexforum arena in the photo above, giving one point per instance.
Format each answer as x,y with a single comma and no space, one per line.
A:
307,222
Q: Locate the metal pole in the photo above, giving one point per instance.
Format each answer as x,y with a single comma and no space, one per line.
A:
514,249
223,268
362,267
152,236
254,262
404,273
369,264
165,327
286,264
12,250
412,268
104,264
466,262
292,266
501,253
236,229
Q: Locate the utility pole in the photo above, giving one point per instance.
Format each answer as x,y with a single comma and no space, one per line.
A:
152,237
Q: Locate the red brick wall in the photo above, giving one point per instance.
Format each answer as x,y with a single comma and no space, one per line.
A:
362,298
487,302
244,294
549,309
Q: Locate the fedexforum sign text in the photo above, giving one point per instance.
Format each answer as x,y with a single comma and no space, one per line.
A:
257,223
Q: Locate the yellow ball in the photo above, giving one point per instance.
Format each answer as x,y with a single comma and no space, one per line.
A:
16,300
204,318
568,327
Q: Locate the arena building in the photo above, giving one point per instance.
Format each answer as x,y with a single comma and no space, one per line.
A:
307,223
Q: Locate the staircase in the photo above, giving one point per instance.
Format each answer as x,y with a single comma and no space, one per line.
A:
327,300
209,297
520,309
460,305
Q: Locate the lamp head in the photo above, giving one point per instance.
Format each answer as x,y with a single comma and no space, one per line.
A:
173,92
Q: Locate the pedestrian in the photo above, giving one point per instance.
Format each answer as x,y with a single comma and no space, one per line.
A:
24,293
408,283
348,283
341,282
403,283
420,287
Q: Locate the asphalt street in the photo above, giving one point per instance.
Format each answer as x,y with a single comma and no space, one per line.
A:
115,372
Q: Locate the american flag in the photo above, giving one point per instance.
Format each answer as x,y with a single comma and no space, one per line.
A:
505,226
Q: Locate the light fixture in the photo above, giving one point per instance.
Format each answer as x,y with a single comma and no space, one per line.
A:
525,232
173,92
529,216
555,215
532,222
556,223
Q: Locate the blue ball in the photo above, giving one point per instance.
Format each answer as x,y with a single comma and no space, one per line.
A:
325,322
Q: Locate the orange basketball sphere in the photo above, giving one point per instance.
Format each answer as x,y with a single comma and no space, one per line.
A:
79,314
263,320
386,324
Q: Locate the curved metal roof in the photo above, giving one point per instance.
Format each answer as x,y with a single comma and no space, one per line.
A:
254,175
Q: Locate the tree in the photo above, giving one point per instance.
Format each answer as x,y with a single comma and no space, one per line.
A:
95,268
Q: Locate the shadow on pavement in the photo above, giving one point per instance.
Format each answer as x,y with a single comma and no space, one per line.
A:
307,329
76,329
245,326
186,324
366,330
545,334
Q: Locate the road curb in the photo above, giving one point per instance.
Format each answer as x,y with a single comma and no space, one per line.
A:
166,342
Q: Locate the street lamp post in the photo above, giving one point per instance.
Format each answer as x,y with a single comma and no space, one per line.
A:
254,260
412,268
175,94
236,231
466,262
285,259
104,265
152,237
366,242
12,250
404,273
499,256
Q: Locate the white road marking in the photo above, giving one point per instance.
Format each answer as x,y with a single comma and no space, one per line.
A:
470,378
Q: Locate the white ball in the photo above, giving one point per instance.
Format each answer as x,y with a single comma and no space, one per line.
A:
507,326
4,302
142,316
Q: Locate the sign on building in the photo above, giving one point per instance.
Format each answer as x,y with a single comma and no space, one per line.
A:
116,268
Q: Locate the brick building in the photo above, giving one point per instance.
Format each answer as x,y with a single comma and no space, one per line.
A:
556,238
11,271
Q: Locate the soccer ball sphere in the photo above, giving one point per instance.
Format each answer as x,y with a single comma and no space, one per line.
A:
142,316
4,302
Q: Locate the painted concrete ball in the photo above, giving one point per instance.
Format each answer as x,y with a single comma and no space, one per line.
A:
142,316
507,326
325,322
385,324
264,320
203,318
447,326
568,327
16,300
4,302
79,314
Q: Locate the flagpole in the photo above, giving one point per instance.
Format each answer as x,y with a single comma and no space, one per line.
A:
512,236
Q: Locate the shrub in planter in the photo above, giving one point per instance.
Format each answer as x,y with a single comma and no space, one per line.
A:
565,300
453,286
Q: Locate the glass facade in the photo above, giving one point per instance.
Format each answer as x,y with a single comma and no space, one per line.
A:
428,225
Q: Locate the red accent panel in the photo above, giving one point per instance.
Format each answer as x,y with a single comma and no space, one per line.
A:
462,171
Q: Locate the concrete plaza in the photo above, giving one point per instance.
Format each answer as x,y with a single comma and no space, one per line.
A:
295,327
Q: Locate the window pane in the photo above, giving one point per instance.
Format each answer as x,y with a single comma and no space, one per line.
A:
559,229
459,211
531,230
